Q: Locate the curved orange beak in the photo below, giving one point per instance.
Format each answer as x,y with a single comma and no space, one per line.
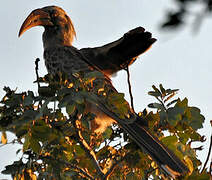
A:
37,17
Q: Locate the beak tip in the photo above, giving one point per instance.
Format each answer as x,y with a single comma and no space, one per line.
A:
37,17
21,31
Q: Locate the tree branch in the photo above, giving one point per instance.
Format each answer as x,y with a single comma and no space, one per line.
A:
91,154
130,87
209,152
36,71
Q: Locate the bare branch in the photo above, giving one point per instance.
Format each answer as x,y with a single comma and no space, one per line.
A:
209,152
36,70
130,87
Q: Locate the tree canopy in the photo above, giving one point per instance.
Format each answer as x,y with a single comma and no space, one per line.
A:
52,127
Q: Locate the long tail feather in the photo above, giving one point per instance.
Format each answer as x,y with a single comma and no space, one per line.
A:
166,159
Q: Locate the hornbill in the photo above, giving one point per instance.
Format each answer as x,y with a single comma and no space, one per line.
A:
61,56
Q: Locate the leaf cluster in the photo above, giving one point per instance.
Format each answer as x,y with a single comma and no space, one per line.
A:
180,15
53,127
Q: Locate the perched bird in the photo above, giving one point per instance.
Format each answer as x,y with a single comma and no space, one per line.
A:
61,56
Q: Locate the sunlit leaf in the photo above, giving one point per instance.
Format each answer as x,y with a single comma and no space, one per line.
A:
169,140
183,137
183,103
189,164
4,138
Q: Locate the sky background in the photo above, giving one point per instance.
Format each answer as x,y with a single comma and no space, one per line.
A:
179,59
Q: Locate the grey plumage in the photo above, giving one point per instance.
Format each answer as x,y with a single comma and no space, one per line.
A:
61,56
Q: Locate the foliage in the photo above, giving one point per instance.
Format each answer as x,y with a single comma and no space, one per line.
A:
184,11
53,128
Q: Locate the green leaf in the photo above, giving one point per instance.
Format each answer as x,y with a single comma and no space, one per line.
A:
28,100
103,153
189,164
108,132
170,91
44,106
79,150
14,168
79,99
162,89
41,133
35,145
197,119
69,155
70,108
183,137
26,142
46,91
156,89
155,94
175,115
21,131
130,176
163,115
132,159
94,74
172,102
183,103
86,136
85,123
18,151
157,106
195,136
88,77
169,140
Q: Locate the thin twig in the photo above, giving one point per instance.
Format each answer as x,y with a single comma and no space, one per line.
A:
209,152
12,142
88,150
130,88
36,71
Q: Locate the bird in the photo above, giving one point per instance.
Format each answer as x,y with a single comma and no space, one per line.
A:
61,56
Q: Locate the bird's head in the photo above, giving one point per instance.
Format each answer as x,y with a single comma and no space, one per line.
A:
59,29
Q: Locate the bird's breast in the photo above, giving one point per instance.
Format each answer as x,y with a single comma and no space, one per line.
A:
64,59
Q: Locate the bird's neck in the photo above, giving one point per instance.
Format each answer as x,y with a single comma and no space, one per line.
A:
56,38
